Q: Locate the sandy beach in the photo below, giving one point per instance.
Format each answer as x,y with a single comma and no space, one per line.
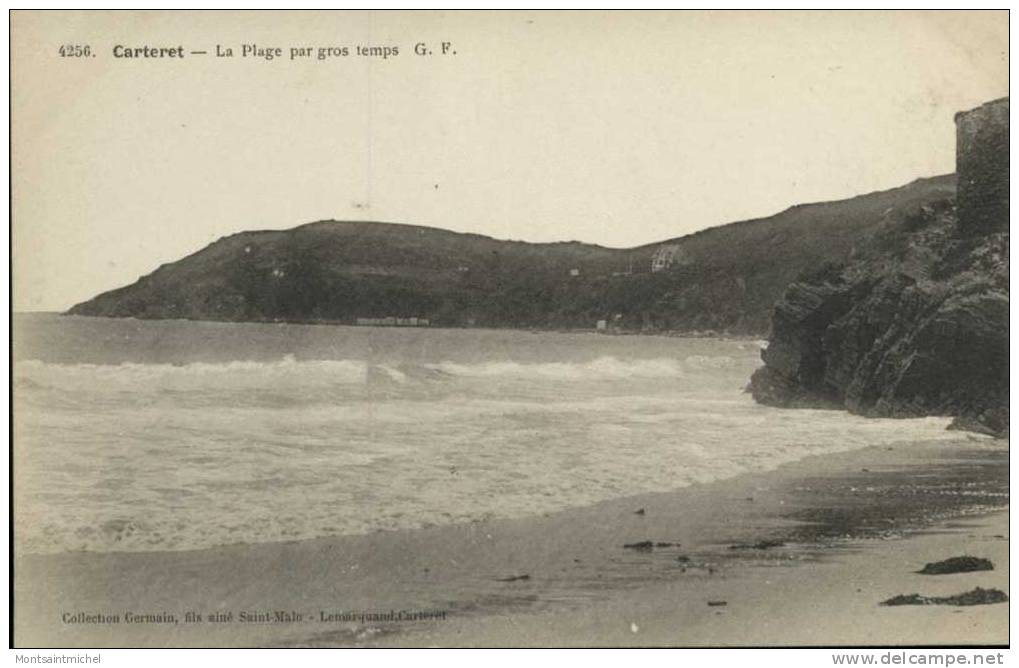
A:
824,602
800,555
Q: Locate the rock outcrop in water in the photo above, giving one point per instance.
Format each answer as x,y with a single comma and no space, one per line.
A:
917,322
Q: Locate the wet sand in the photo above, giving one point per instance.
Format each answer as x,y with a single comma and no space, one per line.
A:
827,602
821,542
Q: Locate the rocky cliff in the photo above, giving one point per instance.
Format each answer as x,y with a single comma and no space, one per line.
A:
916,323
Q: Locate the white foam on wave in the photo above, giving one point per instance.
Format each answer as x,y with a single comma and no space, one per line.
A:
195,462
603,367
33,374
66,376
710,362
401,464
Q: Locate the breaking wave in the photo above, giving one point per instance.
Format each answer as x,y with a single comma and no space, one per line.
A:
34,374
361,431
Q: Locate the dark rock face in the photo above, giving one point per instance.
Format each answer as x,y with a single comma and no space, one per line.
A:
982,166
915,324
896,339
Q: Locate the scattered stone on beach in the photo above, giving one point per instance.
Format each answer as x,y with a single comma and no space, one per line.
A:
715,604
683,558
514,578
759,545
978,596
642,546
663,544
639,512
957,565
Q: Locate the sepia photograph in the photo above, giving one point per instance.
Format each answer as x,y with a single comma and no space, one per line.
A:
506,329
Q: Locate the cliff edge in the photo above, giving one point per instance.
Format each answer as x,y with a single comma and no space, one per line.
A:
916,322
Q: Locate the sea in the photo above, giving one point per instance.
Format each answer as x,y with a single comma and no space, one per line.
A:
135,435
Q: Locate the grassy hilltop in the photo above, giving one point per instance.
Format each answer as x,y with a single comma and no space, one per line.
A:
724,279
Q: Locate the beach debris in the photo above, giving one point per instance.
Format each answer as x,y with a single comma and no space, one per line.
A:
514,578
759,545
639,511
957,565
634,628
715,604
648,545
978,596
683,558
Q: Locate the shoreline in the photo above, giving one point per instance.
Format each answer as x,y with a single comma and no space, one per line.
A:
565,574
668,333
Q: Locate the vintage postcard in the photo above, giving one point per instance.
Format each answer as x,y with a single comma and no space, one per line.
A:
509,328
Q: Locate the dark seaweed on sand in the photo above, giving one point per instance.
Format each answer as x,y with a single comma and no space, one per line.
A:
976,596
514,578
759,545
957,565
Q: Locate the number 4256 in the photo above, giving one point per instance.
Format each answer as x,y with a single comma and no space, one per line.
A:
75,51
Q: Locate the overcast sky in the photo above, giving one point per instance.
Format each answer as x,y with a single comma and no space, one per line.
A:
618,129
